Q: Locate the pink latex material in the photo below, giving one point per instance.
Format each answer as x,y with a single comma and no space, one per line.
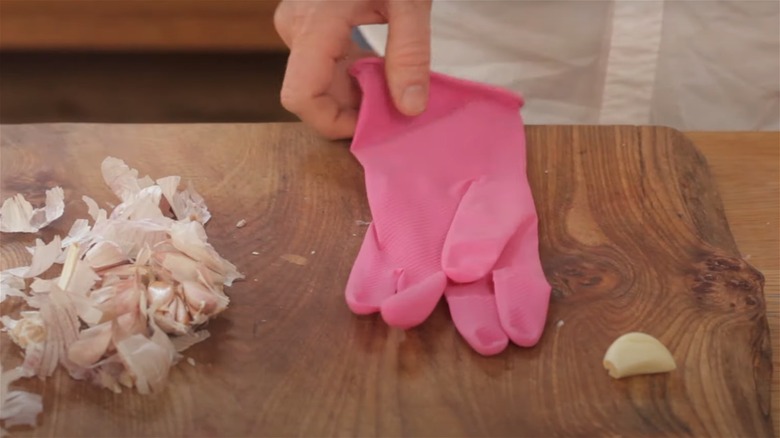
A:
453,214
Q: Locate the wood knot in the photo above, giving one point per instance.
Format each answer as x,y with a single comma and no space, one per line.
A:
727,283
579,276
720,264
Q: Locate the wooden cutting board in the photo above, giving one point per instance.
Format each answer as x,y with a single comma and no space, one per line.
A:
633,238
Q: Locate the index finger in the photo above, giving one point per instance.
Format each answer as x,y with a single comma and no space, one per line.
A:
311,67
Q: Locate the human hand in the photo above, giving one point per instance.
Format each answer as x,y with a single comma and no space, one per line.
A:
317,87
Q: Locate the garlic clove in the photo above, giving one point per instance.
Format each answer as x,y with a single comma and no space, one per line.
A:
168,324
91,345
190,238
637,353
173,317
159,294
200,299
125,298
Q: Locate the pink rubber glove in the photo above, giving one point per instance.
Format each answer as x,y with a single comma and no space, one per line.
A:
452,210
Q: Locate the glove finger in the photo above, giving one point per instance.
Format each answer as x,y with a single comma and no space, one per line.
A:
522,291
473,310
371,280
415,303
487,217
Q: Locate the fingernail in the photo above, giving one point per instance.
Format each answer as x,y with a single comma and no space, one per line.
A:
413,99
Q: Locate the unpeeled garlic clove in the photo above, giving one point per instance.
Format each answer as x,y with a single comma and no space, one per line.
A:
637,353
174,315
91,345
168,324
159,294
199,298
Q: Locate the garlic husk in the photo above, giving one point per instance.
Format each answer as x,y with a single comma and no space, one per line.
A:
98,214
83,280
132,236
105,254
147,360
190,239
187,340
79,234
182,268
44,255
135,286
18,407
187,204
11,286
17,215
62,327
122,179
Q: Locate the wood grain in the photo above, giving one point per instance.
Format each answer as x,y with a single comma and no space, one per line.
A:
633,237
746,167
158,25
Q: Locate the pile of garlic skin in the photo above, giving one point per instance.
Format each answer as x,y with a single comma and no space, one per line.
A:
136,286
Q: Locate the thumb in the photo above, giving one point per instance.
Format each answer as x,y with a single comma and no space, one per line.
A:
408,54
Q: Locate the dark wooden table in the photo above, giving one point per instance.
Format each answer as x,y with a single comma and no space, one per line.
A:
288,358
